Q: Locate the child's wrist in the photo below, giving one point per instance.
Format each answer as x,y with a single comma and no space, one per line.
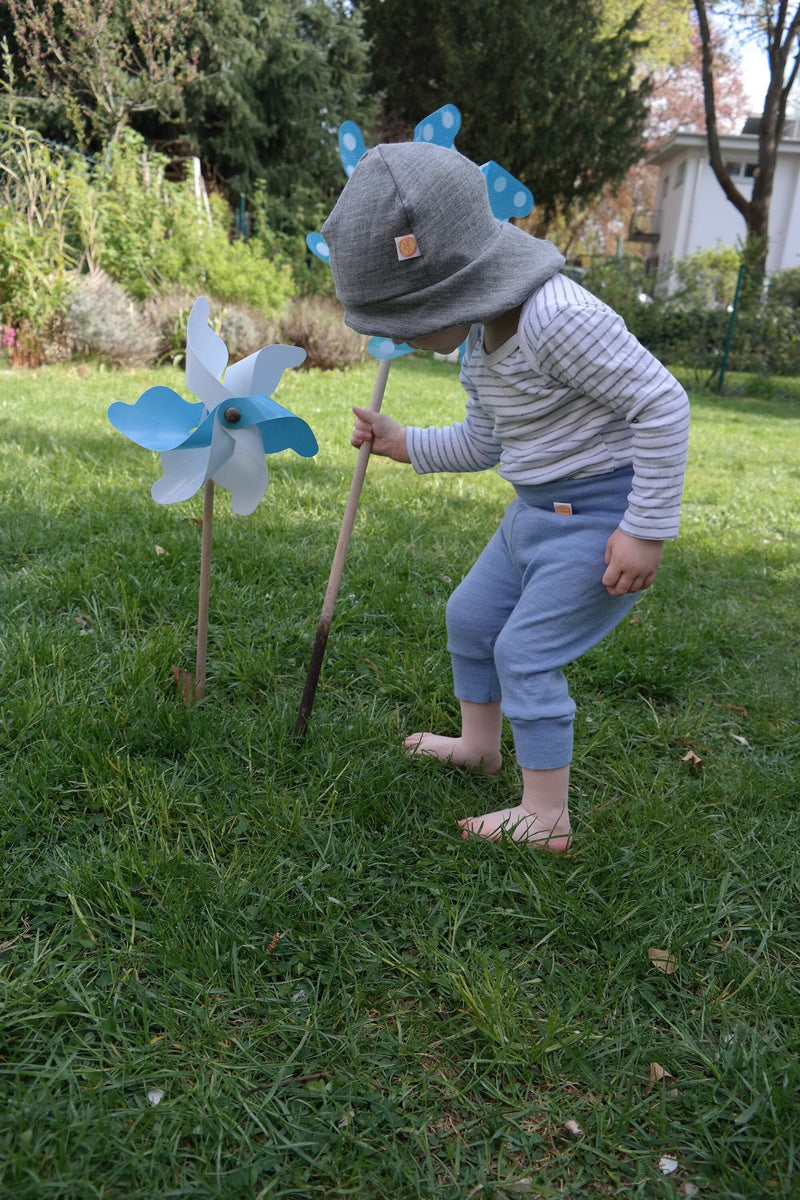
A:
400,445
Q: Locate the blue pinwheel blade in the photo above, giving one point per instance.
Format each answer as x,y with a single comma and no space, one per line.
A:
280,429
351,146
318,247
507,196
384,348
440,128
159,420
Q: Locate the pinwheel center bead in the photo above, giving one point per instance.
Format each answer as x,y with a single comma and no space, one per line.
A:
232,416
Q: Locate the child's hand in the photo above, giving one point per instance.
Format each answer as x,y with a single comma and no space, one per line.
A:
387,436
631,563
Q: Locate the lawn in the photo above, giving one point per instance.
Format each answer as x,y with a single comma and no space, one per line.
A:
238,965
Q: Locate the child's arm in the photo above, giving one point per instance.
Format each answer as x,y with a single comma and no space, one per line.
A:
388,437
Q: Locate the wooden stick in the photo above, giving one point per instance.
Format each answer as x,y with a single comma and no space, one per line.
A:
198,690
329,603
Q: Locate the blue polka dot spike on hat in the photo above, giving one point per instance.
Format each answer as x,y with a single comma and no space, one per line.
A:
220,439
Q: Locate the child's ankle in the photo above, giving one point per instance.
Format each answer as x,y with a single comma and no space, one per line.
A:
456,750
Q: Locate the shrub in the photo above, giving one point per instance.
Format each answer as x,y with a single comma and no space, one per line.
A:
706,279
283,235
149,234
238,272
621,283
765,342
316,324
103,319
145,233
166,314
36,245
784,288
245,330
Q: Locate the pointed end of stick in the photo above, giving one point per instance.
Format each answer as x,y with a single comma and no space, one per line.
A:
301,726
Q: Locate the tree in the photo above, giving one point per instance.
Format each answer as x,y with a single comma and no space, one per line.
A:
676,102
255,88
543,89
777,27
99,62
274,82
662,26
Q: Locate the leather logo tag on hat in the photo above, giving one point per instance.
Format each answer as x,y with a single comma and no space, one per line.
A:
407,247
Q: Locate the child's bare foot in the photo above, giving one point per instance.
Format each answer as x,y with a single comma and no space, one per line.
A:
521,826
453,750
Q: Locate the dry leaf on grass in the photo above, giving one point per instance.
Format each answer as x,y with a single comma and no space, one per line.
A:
572,1129
657,1073
737,737
693,759
667,1165
662,960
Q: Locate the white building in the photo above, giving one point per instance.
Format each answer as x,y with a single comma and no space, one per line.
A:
693,213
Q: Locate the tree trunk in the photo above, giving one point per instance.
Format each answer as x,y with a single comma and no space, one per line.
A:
781,42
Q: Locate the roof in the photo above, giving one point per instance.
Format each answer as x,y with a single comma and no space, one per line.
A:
732,145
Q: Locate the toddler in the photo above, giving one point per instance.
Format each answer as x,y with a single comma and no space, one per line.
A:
586,425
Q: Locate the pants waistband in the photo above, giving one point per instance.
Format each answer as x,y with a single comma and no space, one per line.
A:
588,490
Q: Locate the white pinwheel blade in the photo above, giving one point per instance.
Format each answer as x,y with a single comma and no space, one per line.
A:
260,373
206,357
185,471
244,473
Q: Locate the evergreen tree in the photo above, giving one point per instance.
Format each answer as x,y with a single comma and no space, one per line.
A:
546,90
275,81
256,88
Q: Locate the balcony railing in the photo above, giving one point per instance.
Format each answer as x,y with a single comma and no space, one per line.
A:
644,226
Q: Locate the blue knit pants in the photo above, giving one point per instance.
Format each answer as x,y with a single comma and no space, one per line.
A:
532,603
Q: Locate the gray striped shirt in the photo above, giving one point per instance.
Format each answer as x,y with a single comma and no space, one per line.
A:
572,394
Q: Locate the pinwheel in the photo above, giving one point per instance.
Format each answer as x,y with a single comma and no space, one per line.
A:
223,438
507,198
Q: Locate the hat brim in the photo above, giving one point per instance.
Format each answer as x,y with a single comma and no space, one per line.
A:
511,266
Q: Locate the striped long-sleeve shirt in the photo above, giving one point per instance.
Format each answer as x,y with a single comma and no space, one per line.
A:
572,394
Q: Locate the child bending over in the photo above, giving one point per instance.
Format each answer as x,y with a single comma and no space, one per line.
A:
585,424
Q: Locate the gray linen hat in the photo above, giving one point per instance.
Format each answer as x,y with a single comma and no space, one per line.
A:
414,247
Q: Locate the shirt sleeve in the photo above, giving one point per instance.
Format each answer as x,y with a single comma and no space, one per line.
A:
468,445
589,349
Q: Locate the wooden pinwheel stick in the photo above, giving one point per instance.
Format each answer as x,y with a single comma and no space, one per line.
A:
335,578
199,687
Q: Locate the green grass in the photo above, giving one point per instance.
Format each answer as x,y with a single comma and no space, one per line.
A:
433,1012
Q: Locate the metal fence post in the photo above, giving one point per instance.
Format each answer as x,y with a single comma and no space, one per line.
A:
729,335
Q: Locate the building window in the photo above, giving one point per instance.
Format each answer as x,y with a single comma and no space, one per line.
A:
680,174
741,170
665,187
